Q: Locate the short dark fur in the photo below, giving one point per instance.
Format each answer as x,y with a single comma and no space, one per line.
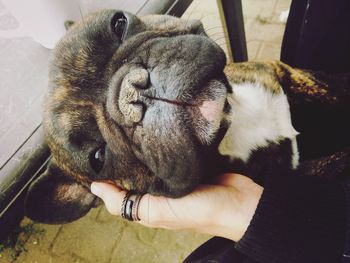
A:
154,143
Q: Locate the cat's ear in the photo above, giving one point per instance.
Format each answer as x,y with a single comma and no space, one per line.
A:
55,198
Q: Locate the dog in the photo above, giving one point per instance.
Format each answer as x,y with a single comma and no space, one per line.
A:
149,103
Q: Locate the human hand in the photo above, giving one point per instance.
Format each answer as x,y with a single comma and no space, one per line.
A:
224,209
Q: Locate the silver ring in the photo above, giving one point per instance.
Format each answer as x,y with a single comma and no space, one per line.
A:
130,206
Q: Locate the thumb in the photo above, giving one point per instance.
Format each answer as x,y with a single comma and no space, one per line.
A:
111,195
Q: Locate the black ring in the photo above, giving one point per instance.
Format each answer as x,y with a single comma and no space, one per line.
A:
130,205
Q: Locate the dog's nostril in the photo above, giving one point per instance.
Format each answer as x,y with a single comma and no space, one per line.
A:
133,112
128,102
129,99
119,25
139,78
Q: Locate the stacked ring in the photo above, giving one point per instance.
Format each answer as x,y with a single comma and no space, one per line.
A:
130,206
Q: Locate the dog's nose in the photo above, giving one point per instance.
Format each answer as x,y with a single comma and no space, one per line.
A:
129,96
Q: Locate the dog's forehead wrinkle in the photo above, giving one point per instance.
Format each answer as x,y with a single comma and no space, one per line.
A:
179,49
169,23
179,64
136,45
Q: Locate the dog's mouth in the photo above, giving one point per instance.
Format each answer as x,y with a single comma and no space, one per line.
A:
204,107
211,110
201,105
176,134
209,99
169,101
208,116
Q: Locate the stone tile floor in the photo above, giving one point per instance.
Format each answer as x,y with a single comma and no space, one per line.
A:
99,237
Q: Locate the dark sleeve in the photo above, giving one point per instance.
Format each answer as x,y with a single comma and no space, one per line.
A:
299,219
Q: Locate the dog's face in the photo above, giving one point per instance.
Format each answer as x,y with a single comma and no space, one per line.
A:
138,101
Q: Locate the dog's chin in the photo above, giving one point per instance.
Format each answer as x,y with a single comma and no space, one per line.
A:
158,188
208,115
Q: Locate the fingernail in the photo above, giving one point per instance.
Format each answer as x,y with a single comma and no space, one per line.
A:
96,189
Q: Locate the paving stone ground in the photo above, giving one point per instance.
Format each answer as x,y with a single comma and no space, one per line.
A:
100,237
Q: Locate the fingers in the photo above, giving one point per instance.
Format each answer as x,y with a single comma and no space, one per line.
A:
153,210
197,211
111,195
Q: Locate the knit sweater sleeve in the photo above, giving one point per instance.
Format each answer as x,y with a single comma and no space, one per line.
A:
299,219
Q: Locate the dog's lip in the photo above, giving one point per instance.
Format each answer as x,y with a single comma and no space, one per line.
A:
209,106
210,110
169,101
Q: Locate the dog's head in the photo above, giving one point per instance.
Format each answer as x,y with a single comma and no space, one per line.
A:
135,100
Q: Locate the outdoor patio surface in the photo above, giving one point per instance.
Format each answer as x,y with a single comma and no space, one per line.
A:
100,237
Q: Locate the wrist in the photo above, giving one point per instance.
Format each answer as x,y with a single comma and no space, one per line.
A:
236,219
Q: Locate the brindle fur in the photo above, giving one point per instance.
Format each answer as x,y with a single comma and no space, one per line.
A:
90,60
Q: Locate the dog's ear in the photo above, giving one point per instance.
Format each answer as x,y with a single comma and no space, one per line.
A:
68,24
54,198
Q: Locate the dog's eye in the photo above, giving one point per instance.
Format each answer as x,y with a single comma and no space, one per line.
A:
120,23
97,158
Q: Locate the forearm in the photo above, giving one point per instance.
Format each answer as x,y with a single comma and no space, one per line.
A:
234,220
